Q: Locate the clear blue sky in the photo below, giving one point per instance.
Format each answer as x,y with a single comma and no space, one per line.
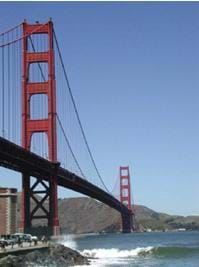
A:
134,72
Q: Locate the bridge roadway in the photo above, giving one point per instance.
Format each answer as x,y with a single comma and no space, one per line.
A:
17,158
26,248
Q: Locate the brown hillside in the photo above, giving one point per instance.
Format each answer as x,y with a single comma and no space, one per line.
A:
86,215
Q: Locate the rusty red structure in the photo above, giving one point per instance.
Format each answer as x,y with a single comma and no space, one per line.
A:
42,125
125,187
125,194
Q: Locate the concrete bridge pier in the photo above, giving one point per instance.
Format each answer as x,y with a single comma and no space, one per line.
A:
127,222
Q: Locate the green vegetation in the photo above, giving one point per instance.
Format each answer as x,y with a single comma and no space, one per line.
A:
149,219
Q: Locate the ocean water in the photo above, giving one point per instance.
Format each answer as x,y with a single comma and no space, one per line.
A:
159,249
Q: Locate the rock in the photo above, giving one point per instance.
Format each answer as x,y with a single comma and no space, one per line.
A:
67,255
11,261
54,256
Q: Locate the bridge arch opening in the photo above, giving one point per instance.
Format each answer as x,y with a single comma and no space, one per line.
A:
38,72
39,144
37,43
38,106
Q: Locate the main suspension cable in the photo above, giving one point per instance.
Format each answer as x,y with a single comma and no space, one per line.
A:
39,65
22,36
58,119
67,141
77,114
10,29
115,185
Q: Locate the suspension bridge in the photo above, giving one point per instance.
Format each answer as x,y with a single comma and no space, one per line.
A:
41,133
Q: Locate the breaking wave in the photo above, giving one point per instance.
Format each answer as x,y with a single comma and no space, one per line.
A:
114,253
113,257
67,241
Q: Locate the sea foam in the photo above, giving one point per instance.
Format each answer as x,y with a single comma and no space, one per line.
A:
112,253
67,241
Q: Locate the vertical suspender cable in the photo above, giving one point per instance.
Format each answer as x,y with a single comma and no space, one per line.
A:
11,99
3,104
14,90
9,111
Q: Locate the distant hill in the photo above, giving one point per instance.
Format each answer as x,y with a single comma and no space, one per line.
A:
86,215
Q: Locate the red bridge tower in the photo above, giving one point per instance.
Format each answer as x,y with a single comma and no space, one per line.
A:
125,187
125,192
41,125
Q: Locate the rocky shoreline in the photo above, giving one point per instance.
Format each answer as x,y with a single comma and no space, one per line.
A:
54,256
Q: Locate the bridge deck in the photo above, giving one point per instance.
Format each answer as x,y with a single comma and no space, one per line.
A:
22,250
17,158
